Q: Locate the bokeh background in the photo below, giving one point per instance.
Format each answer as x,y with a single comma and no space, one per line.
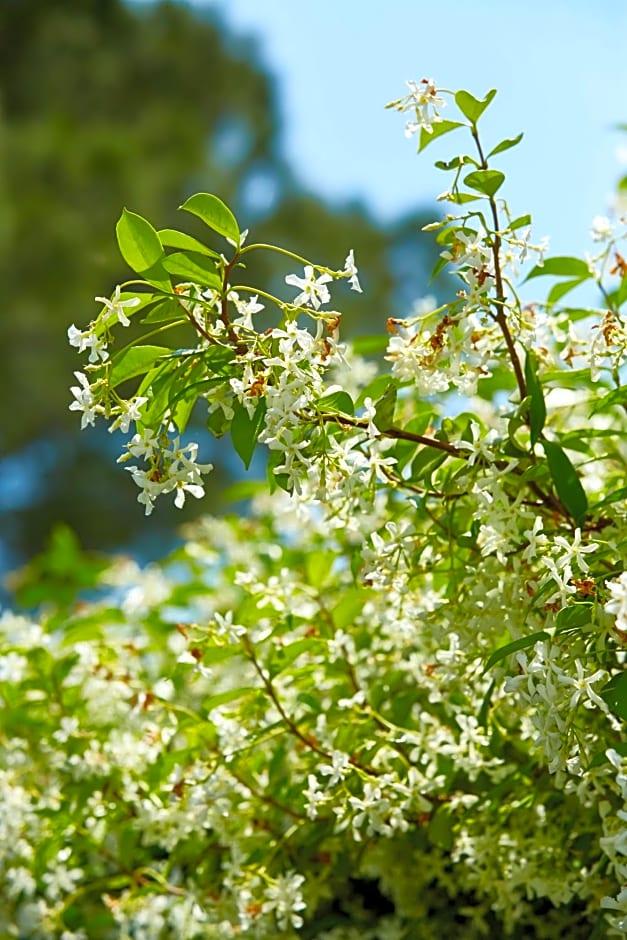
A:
278,108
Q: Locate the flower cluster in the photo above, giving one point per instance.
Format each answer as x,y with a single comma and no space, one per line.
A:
405,669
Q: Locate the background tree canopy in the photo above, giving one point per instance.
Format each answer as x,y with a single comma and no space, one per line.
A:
104,105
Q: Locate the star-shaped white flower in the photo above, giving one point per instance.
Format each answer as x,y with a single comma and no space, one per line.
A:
314,290
116,306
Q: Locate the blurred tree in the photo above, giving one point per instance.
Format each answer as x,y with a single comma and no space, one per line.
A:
104,105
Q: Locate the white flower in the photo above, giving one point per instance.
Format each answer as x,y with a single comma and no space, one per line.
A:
617,605
424,100
88,339
116,306
573,551
602,229
246,309
285,899
583,687
84,400
350,268
130,412
313,290
337,769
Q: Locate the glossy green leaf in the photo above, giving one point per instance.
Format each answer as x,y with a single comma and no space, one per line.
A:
369,345
522,643
193,267
338,402
213,213
439,128
537,406
471,107
157,276
165,311
171,238
138,241
284,656
566,482
615,695
562,288
246,429
562,266
134,361
616,497
573,617
520,222
223,698
384,408
506,144
487,182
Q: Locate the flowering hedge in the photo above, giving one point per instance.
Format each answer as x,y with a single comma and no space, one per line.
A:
389,703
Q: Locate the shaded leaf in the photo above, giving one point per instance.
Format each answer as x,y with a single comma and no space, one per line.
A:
338,402
537,406
566,482
245,429
522,643
193,267
615,695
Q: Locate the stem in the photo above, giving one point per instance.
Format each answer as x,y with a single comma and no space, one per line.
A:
499,300
395,433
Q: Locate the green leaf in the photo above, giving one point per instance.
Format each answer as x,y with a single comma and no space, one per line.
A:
621,293
459,199
193,267
614,497
562,288
139,243
573,617
617,396
349,608
471,107
284,656
170,238
615,695
537,406
439,128
213,213
223,698
561,266
522,643
165,311
520,222
338,402
134,361
566,482
157,276
384,408
245,430
487,182
369,345
440,829
506,144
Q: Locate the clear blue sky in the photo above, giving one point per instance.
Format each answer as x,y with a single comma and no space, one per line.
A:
560,67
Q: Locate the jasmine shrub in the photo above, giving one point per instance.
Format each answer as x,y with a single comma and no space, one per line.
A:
404,669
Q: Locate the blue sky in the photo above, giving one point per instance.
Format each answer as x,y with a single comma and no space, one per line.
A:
560,67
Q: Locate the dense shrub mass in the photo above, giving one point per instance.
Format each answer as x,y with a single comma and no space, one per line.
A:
389,702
